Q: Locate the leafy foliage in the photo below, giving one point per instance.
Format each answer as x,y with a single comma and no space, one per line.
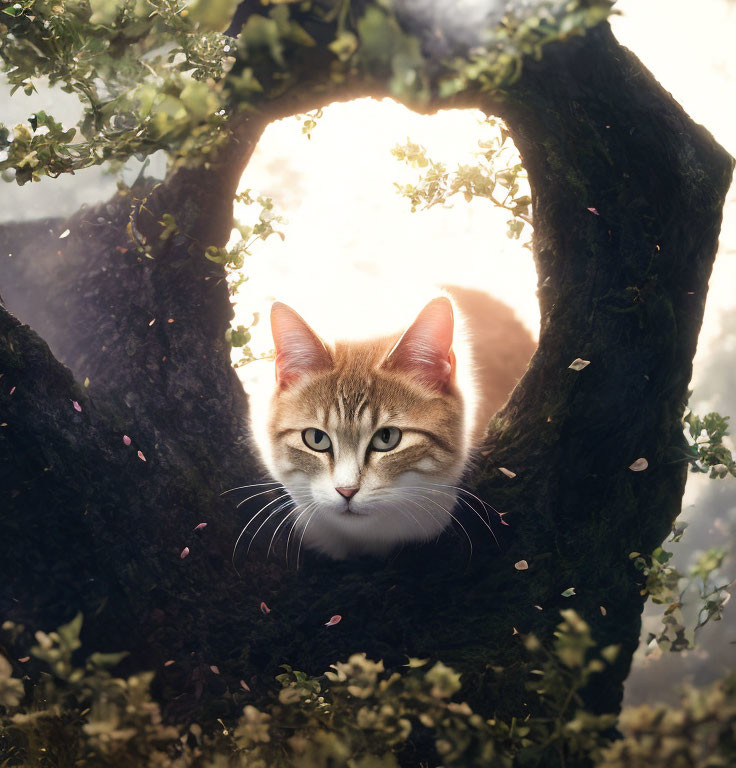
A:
707,452
525,29
162,75
148,76
699,734
667,586
356,715
498,176
233,258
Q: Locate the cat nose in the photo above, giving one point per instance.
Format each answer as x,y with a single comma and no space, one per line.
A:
348,493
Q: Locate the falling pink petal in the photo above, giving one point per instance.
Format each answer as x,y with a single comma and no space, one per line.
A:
594,211
141,456
126,440
77,406
515,632
12,390
507,472
184,552
336,619
215,669
603,610
639,465
265,608
169,663
244,685
152,322
522,565
200,526
171,320
24,659
539,607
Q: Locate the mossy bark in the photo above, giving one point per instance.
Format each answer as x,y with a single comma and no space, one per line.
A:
627,207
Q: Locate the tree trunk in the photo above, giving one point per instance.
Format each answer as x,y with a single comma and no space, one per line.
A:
627,195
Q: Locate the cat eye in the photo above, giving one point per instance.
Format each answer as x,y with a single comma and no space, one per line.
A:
317,440
386,439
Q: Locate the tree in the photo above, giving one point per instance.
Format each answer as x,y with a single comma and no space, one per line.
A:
627,195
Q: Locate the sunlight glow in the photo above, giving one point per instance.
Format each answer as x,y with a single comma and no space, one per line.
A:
355,261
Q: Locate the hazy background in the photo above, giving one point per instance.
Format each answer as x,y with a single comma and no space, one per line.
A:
350,236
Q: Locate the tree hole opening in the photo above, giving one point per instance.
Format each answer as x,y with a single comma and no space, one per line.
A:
355,260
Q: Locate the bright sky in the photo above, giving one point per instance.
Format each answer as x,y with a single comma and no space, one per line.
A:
351,239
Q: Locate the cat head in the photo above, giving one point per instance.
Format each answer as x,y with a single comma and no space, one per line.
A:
367,437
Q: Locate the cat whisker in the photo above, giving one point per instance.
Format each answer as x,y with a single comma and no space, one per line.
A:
304,512
268,517
449,513
261,493
419,525
245,528
468,493
252,485
316,510
288,515
462,490
486,521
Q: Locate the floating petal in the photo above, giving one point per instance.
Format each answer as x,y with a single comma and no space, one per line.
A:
578,364
639,465
336,619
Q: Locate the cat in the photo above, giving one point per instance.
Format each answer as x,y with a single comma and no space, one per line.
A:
370,438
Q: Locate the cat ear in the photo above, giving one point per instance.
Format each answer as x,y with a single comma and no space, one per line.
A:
298,348
425,349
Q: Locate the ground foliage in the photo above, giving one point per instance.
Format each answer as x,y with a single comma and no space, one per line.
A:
356,715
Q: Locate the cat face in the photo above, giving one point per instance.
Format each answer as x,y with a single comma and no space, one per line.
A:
367,436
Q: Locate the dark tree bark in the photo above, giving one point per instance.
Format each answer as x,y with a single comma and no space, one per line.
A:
627,192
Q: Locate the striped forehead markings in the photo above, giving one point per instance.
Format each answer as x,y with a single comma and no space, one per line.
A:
351,400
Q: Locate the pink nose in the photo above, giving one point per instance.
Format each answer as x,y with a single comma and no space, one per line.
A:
348,493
